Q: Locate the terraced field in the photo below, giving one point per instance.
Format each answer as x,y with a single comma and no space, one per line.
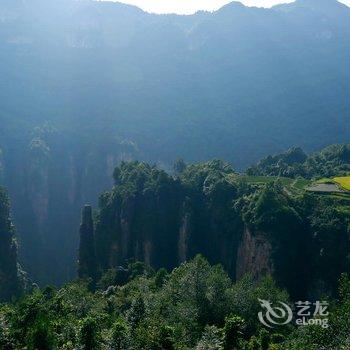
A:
338,186
325,188
291,185
344,182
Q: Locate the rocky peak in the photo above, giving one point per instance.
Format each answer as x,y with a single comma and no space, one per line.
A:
87,259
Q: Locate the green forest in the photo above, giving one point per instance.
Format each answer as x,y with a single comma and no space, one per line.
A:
195,306
181,260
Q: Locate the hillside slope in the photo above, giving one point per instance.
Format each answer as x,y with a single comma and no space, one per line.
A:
268,228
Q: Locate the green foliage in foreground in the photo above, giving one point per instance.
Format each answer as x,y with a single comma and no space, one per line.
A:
195,307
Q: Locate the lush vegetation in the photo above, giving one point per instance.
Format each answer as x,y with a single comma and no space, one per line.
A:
143,286
196,306
164,220
330,162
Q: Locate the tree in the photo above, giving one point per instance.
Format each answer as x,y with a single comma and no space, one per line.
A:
264,339
233,332
254,343
160,278
136,312
179,166
119,336
211,339
40,337
166,338
88,334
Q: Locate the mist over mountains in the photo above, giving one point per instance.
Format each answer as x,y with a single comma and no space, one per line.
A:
86,84
247,81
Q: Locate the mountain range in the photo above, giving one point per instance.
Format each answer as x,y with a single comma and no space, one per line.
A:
87,84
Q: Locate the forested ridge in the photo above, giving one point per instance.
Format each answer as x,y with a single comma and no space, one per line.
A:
298,236
180,260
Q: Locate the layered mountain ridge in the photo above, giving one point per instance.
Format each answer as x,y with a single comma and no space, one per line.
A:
87,84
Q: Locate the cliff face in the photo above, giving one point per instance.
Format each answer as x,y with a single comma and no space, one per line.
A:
9,281
254,255
87,256
141,227
164,221
129,236
207,209
185,232
49,177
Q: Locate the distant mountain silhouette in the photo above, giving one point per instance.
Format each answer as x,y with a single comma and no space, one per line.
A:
260,80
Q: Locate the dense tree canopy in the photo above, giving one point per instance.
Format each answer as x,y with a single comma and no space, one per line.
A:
331,161
196,307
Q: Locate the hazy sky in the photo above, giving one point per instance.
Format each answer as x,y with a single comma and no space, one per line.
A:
191,6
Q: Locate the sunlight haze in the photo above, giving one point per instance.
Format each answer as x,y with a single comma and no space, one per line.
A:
191,6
